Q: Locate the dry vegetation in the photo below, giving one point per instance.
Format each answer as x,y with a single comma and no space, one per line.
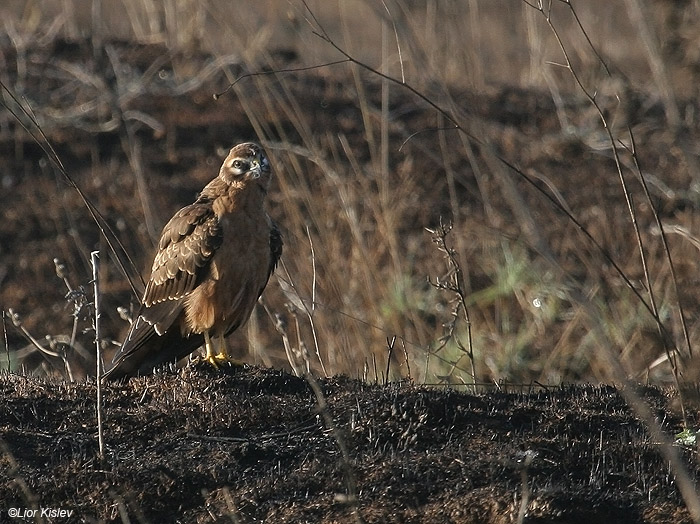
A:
364,165
534,162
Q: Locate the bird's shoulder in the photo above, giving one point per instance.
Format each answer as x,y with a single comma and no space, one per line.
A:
198,217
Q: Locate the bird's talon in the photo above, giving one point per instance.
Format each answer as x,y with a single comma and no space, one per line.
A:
221,359
213,361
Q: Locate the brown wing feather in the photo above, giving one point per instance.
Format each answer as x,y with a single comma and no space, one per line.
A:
275,251
187,244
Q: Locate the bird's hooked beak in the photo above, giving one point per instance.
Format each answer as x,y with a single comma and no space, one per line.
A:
255,168
258,165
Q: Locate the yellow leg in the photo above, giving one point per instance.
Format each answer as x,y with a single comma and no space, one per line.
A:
223,352
211,357
216,359
207,344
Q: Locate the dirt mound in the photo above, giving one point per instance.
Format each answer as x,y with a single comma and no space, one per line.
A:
251,445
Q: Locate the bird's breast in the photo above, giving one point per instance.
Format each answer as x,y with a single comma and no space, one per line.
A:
238,270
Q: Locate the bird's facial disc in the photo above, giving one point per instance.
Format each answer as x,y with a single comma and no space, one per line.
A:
250,166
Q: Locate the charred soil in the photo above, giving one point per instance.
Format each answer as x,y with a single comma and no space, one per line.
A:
252,445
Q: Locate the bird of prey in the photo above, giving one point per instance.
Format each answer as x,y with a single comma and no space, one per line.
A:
214,259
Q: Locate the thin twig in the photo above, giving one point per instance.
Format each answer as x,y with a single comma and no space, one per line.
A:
17,321
7,346
62,273
527,459
216,96
310,310
664,240
452,282
95,261
390,345
396,36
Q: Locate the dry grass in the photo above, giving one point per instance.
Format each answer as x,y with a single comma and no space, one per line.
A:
356,189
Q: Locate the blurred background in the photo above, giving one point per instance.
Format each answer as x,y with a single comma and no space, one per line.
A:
367,168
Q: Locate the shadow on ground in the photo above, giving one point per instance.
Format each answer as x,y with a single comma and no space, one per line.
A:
250,445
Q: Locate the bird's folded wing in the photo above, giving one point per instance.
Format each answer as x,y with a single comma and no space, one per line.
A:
186,246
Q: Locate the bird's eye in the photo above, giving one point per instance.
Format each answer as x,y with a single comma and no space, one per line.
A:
238,164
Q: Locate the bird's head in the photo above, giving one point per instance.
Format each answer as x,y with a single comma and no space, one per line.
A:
245,164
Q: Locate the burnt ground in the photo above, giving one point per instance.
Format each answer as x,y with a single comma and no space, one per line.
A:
252,445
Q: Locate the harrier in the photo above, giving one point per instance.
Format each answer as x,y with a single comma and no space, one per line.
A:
214,259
